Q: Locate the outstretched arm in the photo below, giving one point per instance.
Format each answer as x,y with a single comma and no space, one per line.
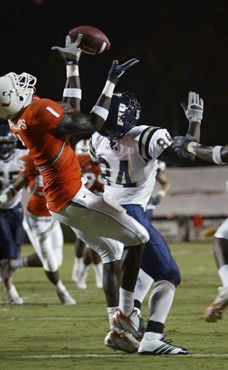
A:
194,113
72,92
75,122
215,154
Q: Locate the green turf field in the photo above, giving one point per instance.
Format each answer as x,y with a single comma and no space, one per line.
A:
43,334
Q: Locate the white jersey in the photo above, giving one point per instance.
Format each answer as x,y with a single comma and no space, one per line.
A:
9,170
129,165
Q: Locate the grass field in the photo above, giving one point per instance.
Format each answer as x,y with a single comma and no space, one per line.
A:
43,334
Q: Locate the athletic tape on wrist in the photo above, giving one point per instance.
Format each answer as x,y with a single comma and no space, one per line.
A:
196,120
108,89
100,111
216,155
72,93
72,70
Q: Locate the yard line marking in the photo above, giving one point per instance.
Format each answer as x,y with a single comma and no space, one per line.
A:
94,355
52,318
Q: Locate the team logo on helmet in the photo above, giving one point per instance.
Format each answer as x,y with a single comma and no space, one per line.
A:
124,114
16,92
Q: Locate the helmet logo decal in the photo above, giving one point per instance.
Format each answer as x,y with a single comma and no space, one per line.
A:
120,116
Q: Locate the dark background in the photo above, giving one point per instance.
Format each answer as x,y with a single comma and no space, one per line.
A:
182,46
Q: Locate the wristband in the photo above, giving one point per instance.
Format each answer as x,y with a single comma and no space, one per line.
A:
192,146
108,89
100,111
196,120
216,155
72,93
72,70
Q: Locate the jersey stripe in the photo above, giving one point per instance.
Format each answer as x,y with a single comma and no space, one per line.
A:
49,163
144,141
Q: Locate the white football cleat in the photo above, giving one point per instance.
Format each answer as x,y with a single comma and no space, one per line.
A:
65,298
214,311
13,295
133,323
121,340
160,347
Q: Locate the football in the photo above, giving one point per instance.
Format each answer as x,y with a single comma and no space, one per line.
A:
90,39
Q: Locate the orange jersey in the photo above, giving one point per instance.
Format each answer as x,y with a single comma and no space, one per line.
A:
91,171
36,126
37,203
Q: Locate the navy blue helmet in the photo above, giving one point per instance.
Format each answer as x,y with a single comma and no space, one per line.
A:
123,115
8,142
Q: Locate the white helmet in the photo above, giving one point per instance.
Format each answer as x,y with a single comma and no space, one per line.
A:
16,92
82,147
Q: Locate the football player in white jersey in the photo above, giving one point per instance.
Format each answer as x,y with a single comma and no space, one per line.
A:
217,155
11,213
127,156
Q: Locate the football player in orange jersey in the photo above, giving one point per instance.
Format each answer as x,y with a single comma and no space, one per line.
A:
44,127
43,230
84,256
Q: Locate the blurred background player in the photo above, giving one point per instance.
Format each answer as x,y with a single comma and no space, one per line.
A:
127,154
43,230
11,212
165,184
84,256
217,155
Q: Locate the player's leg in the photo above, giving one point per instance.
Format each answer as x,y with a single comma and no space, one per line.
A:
46,237
97,266
83,266
78,259
158,265
11,237
220,248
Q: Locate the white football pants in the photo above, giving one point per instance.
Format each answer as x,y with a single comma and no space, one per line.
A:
46,236
98,220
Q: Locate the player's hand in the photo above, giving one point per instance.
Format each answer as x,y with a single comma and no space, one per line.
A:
194,110
157,197
70,53
180,146
117,70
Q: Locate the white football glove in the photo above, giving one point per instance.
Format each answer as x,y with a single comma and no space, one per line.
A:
70,53
194,110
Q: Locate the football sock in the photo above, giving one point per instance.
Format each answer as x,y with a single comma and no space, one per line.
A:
60,287
126,301
143,284
161,300
223,273
111,311
98,269
21,262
